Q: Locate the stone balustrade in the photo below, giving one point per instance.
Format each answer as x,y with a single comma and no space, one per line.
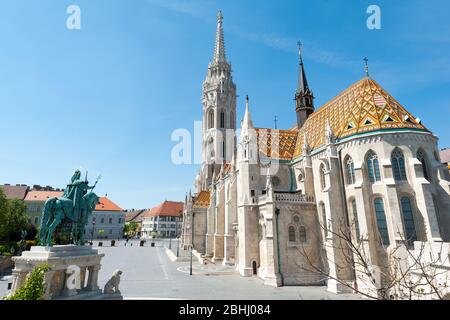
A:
294,198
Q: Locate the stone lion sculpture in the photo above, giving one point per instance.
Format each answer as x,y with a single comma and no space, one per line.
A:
112,286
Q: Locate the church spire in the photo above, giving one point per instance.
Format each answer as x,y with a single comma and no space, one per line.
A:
302,85
247,123
219,49
304,99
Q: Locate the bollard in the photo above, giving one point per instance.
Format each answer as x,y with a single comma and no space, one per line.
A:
141,243
152,244
100,244
113,243
9,285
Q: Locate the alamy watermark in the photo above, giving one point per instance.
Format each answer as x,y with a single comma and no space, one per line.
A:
374,20
73,22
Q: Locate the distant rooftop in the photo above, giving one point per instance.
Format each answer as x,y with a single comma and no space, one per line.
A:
167,208
19,191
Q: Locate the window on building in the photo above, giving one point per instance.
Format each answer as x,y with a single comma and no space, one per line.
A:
93,219
373,167
355,220
222,119
350,168
110,231
381,221
110,220
322,176
291,234
302,233
231,120
408,220
398,165
102,220
421,156
211,119
324,219
36,220
120,220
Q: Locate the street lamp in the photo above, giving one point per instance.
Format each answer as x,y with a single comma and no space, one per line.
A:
192,242
92,232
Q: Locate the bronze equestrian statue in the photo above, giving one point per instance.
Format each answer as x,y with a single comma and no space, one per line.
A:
73,207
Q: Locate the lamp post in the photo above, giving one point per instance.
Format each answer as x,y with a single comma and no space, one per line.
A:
192,243
92,233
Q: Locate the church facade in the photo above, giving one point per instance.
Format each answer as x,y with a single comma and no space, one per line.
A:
290,205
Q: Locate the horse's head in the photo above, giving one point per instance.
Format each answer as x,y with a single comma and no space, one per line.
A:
91,200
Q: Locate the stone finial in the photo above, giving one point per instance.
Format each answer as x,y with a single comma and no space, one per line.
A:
305,146
329,135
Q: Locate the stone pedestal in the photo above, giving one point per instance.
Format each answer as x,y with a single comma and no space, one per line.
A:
59,258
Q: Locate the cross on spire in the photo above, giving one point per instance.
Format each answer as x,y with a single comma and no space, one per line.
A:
276,121
366,68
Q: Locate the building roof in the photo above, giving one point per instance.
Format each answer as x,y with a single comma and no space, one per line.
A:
135,215
42,195
104,204
202,200
167,208
14,192
445,156
363,107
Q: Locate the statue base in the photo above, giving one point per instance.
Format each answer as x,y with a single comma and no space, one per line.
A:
73,274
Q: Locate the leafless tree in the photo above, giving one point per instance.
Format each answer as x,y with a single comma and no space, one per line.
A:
401,271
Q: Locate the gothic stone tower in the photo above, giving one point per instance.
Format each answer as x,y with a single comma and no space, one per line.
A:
219,111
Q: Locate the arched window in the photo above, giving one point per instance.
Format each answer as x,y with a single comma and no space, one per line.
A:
322,176
232,120
324,218
373,167
291,234
408,220
355,220
211,119
350,170
222,119
381,221
398,165
421,157
302,234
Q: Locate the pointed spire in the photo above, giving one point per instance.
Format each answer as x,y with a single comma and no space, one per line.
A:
247,123
305,146
304,98
219,49
302,85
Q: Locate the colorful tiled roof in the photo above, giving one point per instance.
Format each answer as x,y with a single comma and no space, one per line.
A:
42,195
167,208
202,200
14,192
363,107
277,144
104,204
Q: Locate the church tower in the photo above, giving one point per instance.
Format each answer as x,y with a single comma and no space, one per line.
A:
219,111
304,99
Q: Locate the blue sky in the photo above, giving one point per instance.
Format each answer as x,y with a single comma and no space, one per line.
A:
106,98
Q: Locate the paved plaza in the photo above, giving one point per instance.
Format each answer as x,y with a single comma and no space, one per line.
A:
148,273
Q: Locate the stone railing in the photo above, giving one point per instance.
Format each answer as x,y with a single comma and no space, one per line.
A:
293,197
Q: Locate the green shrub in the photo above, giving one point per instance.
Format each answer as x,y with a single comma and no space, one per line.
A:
33,288
29,244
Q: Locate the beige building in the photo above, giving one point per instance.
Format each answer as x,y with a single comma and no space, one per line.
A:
164,220
35,200
276,203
